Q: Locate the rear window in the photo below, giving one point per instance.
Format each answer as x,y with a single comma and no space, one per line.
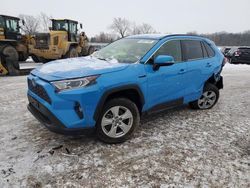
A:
192,49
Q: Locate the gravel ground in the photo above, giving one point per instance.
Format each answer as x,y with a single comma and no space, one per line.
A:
177,148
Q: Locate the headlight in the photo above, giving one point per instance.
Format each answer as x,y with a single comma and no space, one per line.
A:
74,83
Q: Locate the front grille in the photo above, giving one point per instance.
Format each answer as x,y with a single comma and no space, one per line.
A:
42,41
39,90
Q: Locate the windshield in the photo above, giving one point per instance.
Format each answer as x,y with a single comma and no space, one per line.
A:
12,25
125,50
60,26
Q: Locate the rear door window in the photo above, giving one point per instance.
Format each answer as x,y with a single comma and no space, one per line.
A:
209,49
192,49
205,54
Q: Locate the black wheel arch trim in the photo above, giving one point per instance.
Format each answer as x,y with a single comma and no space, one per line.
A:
107,93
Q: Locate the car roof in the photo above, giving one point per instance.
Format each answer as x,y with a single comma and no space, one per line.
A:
161,36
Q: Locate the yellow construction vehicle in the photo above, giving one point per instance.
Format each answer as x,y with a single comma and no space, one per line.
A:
63,41
13,45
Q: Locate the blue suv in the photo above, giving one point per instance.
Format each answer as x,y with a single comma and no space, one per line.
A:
110,90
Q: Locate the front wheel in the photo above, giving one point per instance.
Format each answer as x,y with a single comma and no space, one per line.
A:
208,99
118,120
71,53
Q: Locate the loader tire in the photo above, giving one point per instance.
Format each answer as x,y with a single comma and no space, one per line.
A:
23,56
91,50
71,53
11,60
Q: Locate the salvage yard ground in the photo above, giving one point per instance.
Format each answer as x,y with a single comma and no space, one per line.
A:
180,147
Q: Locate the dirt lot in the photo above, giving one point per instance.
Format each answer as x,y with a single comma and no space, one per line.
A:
181,147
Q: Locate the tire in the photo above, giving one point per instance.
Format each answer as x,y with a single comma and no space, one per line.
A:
208,99
23,56
91,50
11,60
35,59
107,122
84,52
71,53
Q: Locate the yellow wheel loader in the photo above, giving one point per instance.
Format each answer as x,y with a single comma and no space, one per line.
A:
13,45
63,41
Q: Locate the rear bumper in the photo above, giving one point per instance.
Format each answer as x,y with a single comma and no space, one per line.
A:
240,60
43,115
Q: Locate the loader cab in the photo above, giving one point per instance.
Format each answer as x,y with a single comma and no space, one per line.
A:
69,26
9,28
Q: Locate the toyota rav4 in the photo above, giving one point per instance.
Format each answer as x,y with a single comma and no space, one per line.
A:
110,90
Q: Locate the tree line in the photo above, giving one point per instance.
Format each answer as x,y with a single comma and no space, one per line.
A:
228,39
122,27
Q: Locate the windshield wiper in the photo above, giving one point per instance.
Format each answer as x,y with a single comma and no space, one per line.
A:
104,59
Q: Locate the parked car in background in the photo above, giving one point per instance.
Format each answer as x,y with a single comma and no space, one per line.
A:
239,55
225,50
137,75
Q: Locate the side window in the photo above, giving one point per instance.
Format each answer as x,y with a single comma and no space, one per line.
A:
205,54
192,49
210,51
172,48
72,28
1,22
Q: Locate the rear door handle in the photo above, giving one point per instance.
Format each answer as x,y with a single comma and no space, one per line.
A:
182,71
209,65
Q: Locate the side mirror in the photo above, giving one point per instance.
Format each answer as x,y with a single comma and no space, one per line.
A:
81,26
23,22
163,60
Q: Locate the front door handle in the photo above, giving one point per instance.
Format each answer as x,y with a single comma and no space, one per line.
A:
182,71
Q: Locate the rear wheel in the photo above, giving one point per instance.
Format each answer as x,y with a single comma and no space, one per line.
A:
72,53
208,99
91,50
11,60
23,56
118,120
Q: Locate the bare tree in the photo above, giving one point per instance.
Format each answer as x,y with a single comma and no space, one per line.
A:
104,37
142,29
31,25
146,29
121,26
45,22
135,29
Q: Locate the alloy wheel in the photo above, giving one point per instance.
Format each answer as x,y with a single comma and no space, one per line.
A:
207,100
117,121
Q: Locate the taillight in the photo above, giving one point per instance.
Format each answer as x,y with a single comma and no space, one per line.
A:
237,53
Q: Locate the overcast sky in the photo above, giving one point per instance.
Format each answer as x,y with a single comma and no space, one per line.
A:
166,16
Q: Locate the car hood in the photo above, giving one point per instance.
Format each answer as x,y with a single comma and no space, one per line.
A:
76,67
